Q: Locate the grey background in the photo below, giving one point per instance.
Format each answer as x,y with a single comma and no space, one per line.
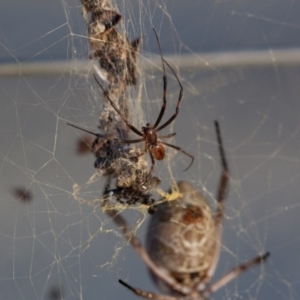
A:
60,238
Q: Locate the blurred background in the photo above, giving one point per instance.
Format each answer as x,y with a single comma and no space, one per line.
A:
238,62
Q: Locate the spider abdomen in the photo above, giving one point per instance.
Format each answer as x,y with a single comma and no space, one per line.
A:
158,151
181,237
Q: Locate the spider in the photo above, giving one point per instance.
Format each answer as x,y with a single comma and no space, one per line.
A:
183,243
153,144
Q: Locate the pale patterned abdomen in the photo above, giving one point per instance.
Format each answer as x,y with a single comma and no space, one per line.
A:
181,237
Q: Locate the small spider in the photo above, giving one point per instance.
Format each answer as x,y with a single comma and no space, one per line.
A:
183,243
148,134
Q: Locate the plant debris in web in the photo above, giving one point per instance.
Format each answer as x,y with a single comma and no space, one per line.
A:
115,62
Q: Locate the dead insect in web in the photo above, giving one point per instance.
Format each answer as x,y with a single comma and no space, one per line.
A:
135,194
84,145
91,6
121,161
131,196
116,55
183,243
153,144
102,21
117,59
22,194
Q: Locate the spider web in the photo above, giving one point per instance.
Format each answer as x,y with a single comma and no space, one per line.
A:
238,63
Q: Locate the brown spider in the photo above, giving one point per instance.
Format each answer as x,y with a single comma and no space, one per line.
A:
153,145
183,243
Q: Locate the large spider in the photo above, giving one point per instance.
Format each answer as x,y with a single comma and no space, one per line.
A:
148,134
183,243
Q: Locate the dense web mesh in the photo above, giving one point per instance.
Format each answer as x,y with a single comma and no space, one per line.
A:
238,64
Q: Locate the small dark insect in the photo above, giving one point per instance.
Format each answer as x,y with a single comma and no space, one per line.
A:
153,144
22,194
55,293
131,195
84,145
183,243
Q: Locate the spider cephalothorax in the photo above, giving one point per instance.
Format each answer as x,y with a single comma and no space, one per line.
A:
156,148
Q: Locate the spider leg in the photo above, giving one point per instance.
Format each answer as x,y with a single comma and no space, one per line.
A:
98,135
152,165
237,271
222,191
181,150
167,136
129,141
178,101
221,196
117,110
163,107
147,295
